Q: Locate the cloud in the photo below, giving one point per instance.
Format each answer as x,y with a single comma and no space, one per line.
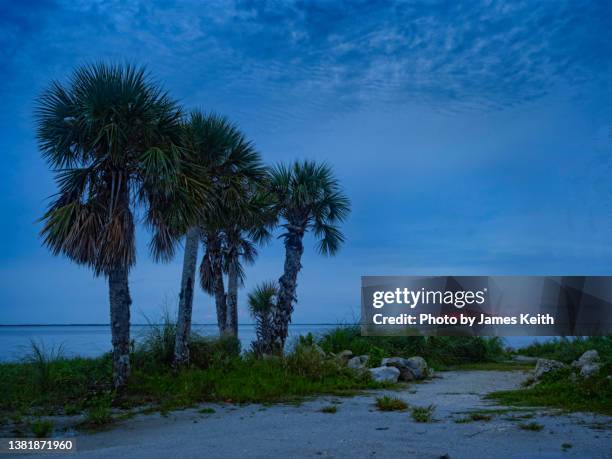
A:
450,54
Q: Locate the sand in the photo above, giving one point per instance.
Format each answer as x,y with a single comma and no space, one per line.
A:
357,429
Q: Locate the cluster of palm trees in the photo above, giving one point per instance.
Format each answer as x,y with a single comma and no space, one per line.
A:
124,151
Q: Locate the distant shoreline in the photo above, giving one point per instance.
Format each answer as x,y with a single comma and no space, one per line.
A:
147,325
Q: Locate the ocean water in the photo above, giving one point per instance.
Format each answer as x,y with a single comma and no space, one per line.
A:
94,340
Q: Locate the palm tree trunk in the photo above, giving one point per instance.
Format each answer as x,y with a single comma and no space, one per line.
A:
214,249
232,299
183,323
287,288
120,301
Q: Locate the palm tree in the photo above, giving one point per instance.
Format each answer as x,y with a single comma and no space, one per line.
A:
261,305
234,166
111,135
231,242
309,198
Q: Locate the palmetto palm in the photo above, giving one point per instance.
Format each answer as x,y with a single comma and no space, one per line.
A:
231,240
309,198
235,168
111,135
262,301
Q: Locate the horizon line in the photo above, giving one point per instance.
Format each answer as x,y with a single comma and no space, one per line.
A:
140,325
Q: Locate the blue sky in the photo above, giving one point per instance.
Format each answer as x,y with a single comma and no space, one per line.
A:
471,137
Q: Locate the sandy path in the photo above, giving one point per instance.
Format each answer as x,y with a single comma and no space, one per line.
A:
357,429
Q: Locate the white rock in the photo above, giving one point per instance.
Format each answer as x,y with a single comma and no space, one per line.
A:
358,362
544,366
589,369
589,357
385,374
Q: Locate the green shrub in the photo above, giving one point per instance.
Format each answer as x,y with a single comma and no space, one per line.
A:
41,428
42,361
423,413
387,403
99,414
330,409
155,347
533,426
569,349
559,389
439,351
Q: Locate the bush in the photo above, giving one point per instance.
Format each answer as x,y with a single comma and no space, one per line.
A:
330,409
533,426
559,389
42,362
387,403
204,352
439,351
155,349
41,428
99,415
423,413
569,349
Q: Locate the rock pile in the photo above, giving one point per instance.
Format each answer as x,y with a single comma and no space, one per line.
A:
586,366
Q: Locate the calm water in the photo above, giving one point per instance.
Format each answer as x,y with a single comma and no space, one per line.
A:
91,341
94,340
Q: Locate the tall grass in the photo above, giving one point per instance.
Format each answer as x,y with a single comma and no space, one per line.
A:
41,362
155,348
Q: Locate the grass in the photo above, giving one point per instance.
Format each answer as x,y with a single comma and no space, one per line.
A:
423,413
472,417
533,426
387,403
207,411
563,388
98,415
569,349
330,409
48,383
41,428
558,390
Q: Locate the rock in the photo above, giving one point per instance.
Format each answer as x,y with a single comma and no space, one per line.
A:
588,363
544,366
384,374
410,369
418,365
345,355
589,357
590,369
406,372
524,359
358,362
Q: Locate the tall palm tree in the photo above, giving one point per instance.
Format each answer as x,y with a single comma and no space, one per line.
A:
233,165
110,135
309,198
231,243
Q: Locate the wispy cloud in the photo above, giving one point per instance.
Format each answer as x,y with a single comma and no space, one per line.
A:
488,53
